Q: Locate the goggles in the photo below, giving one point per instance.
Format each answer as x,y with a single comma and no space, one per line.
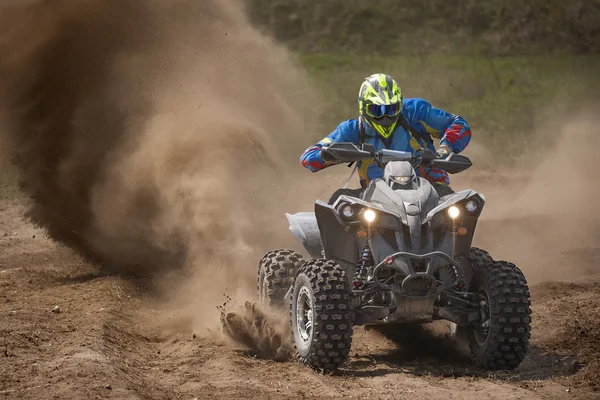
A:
379,111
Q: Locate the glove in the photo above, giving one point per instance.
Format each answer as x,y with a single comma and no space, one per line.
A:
423,157
443,152
415,161
427,156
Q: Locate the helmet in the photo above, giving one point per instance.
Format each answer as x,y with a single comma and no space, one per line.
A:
380,103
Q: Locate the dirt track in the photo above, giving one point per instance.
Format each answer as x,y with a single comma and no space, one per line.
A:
105,342
113,151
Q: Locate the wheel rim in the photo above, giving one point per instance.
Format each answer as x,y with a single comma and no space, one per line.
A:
452,328
304,315
482,330
264,292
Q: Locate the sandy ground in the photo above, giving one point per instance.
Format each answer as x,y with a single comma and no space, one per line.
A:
68,331
109,107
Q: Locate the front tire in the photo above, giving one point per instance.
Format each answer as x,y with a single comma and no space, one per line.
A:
501,341
478,258
276,272
322,318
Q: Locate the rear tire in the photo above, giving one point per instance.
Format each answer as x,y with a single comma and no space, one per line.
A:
322,318
479,257
503,343
276,272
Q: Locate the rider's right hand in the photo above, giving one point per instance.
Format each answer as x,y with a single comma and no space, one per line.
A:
416,161
423,157
427,157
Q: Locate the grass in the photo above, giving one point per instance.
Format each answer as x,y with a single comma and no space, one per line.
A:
504,99
497,27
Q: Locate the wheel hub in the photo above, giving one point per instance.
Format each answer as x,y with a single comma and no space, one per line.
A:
482,330
304,314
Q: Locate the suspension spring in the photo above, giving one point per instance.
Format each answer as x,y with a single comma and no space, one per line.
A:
454,275
363,264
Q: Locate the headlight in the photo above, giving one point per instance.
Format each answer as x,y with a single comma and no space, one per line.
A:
403,180
348,211
453,212
471,206
369,215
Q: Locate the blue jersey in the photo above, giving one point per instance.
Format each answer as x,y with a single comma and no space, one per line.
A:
429,122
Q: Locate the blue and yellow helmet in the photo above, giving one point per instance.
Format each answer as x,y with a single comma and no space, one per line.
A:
380,103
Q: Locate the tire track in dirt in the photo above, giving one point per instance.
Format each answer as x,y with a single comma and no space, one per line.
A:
51,314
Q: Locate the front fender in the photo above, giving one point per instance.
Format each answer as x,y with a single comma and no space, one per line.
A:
451,200
304,226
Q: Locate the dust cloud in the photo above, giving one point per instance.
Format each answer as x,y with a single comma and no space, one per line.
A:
541,212
153,136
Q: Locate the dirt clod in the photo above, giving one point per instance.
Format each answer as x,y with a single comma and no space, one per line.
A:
263,332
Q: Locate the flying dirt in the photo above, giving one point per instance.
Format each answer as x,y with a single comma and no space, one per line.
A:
157,143
150,134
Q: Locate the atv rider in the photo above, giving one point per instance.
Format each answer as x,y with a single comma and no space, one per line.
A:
386,120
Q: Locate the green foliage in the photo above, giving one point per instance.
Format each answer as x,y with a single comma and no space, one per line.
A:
502,98
507,66
419,27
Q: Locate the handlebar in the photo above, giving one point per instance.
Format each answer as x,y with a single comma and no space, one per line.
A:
349,152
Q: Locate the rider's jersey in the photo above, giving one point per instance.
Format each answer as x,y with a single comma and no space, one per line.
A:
452,131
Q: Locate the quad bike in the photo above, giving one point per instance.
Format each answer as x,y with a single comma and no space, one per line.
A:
397,254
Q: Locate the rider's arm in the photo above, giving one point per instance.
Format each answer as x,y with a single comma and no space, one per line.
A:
312,158
452,130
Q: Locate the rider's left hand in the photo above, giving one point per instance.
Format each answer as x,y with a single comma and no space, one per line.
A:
443,152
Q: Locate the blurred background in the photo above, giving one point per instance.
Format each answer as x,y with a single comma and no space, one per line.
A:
510,67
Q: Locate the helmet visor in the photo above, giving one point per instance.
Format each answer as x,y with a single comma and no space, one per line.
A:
380,111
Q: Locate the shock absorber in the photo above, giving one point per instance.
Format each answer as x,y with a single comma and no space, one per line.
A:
363,265
458,283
